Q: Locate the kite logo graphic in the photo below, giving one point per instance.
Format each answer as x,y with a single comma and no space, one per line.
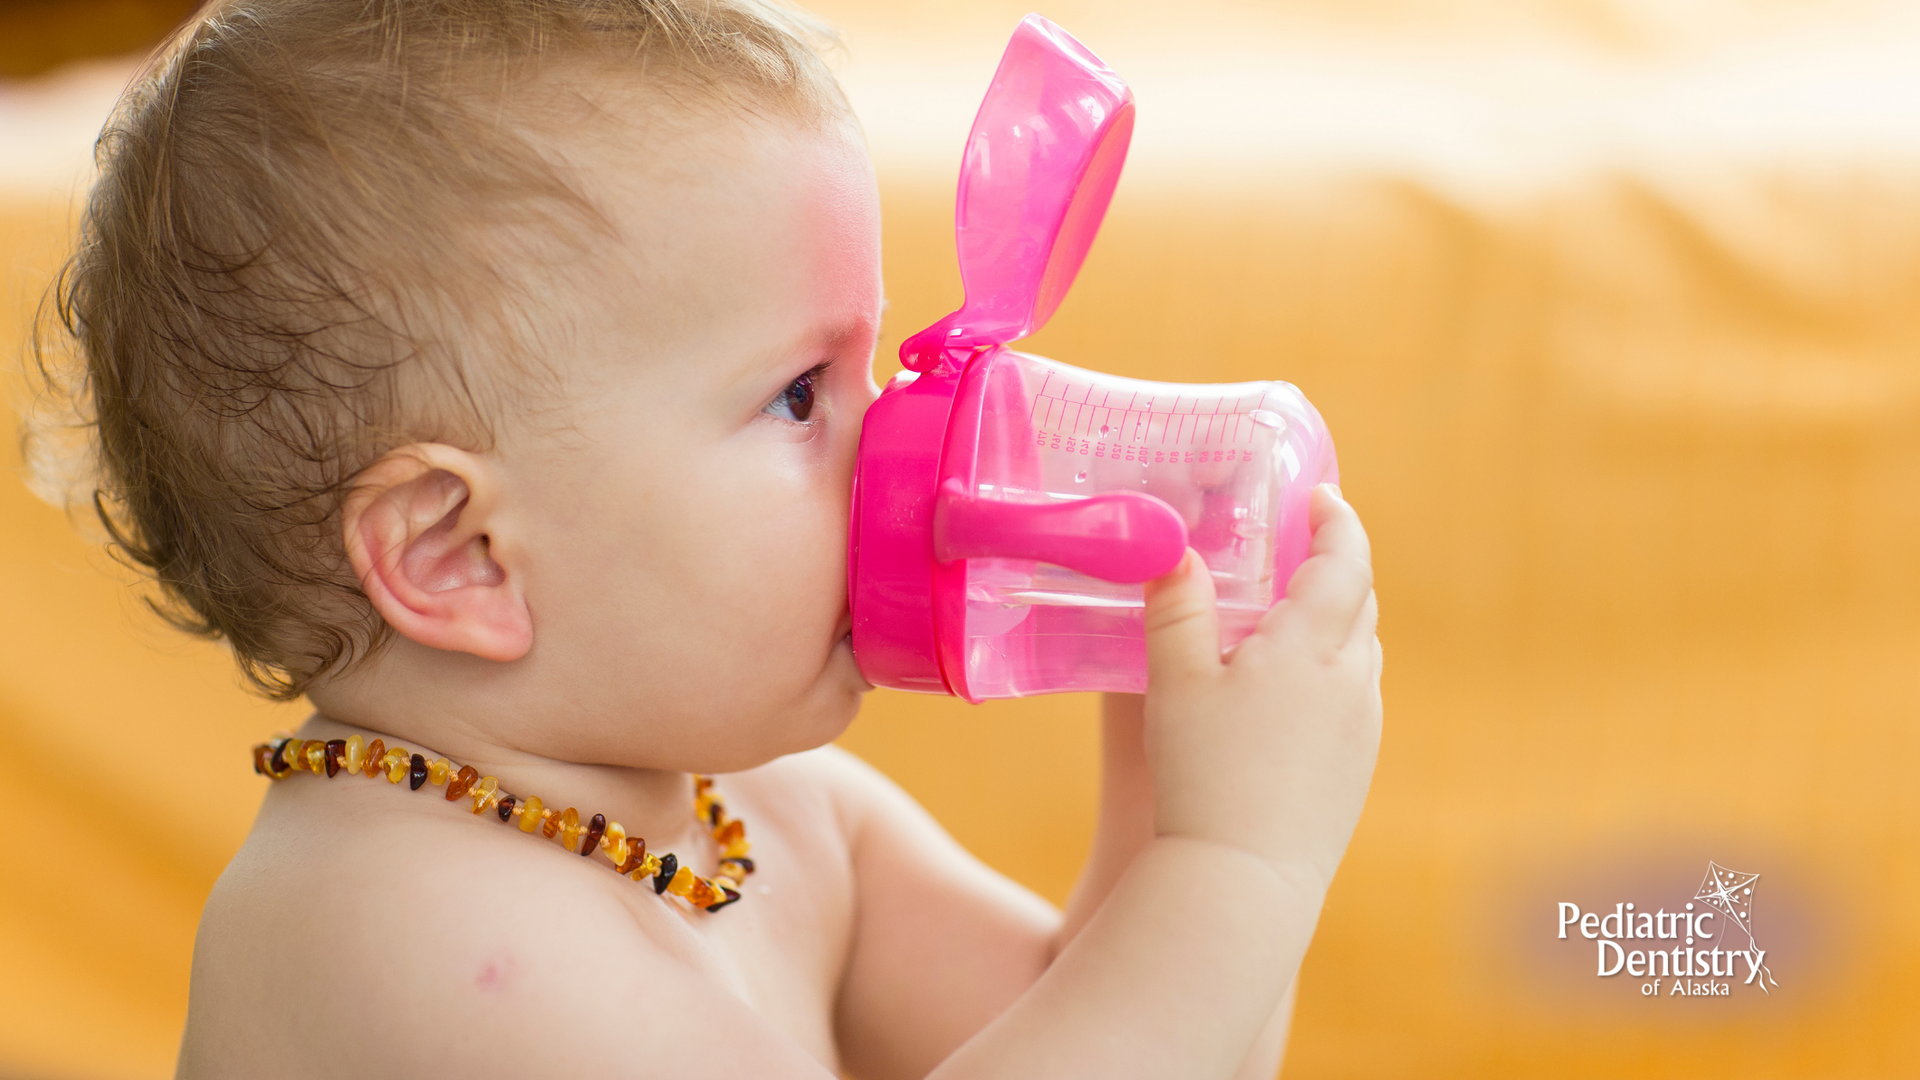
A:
1731,892
1723,895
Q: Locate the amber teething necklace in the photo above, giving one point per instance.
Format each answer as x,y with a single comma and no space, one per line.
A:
629,855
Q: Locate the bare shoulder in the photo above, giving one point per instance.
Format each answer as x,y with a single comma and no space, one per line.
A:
816,808
392,937
422,937
903,862
851,788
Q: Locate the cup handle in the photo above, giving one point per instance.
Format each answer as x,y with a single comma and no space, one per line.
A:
1121,536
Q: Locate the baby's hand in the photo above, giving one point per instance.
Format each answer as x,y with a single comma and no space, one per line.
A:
1272,749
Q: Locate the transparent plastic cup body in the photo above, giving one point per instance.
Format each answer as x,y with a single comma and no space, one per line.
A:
1236,461
1006,508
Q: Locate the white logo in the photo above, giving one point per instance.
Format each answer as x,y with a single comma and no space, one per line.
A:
1731,891
1696,959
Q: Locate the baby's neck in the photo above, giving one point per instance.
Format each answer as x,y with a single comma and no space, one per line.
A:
489,716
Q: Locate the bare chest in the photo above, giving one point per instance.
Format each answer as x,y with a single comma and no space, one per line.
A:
782,948
488,920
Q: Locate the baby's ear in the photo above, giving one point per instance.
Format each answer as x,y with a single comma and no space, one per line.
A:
418,532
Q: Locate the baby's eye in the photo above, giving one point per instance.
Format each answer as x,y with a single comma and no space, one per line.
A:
796,401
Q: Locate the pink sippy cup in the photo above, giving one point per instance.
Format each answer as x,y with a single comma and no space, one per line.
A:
1007,508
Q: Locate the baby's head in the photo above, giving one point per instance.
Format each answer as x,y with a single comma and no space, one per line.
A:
499,362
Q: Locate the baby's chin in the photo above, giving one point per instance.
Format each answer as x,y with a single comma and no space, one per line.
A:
815,720
835,702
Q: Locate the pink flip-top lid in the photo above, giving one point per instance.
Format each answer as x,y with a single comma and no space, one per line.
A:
1040,168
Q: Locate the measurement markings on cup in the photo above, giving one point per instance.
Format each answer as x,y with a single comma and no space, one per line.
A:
1066,418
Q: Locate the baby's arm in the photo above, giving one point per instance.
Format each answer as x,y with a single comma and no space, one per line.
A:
1259,766
1125,828
945,944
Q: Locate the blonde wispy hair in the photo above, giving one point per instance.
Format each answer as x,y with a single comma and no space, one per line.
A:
297,249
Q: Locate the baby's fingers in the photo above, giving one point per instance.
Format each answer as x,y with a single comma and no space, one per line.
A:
1183,626
1368,624
1328,594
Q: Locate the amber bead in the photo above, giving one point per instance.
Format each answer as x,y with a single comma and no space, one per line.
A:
397,762
615,844
530,814
507,803
682,882
315,754
416,771
437,771
462,782
376,753
278,762
484,792
701,783
356,756
569,828
715,812
333,753
636,854
260,755
700,892
731,895
591,838
737,868
669,866
735,849
730,832
551,824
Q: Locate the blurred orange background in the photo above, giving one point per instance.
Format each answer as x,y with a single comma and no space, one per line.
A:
1614,310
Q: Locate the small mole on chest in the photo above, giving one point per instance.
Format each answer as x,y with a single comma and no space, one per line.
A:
494,973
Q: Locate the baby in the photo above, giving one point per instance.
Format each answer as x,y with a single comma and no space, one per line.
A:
490,372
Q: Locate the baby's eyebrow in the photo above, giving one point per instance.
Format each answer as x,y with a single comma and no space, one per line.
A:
764,365
828,335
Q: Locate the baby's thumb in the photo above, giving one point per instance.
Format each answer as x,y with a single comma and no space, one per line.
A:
1183,625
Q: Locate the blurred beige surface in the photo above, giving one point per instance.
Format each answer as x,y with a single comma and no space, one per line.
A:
1610,307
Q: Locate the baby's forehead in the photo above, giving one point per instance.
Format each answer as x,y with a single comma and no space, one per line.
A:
687,216
646,160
